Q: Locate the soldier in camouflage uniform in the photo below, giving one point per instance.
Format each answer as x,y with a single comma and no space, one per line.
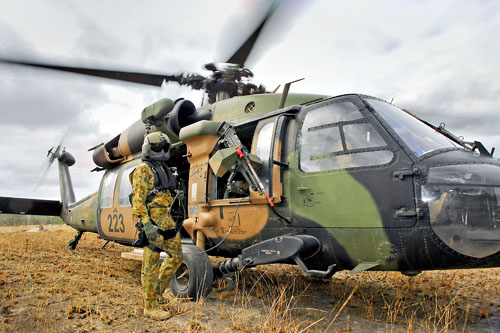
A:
155,279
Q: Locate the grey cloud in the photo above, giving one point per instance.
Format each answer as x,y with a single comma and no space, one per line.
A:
31,97
466,105
434,31
11,43
489,10
390,45
25,160
105,46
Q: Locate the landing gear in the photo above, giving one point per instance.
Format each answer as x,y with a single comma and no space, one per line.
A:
74,242
195,276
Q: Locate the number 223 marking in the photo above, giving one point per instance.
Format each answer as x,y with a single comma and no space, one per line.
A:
115,219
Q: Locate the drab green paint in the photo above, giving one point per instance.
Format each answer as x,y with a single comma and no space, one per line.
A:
234,108
339,203
334,200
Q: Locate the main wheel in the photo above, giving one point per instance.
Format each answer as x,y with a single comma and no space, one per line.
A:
195,276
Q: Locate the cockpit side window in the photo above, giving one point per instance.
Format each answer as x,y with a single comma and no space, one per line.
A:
125,186
108,187
337,136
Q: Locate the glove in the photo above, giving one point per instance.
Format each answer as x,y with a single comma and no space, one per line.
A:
151,231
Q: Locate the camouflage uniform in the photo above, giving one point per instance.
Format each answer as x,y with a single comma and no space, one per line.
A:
155,279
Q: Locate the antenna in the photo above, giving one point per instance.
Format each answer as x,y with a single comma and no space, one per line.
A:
286,88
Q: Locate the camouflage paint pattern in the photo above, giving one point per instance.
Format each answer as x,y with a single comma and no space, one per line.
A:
355,213
83,214
155,279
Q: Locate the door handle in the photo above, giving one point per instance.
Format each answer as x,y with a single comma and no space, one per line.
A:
302,188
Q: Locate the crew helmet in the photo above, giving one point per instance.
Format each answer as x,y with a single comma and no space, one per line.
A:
155,142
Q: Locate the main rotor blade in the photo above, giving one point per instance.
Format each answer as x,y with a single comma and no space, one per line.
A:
241,55
142,78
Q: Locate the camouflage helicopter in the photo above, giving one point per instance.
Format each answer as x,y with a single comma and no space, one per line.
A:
326,183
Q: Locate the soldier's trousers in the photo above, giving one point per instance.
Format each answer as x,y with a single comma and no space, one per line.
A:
155,278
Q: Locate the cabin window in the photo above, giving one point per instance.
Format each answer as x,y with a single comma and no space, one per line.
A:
108,187
125,186
263,149
337,136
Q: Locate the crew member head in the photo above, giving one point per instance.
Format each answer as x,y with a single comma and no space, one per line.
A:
156,146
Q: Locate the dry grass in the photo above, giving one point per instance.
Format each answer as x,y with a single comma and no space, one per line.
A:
45,287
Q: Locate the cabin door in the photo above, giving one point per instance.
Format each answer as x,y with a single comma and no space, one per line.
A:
115,212
342,169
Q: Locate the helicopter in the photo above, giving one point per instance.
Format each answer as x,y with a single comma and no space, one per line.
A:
327,183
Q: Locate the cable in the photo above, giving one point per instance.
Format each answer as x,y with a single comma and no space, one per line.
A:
230,228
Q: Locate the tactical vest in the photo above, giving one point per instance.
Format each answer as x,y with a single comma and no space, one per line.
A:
164,179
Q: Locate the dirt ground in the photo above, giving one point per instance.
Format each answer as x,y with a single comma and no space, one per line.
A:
46,287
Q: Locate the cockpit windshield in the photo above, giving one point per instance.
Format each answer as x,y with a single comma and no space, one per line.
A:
419,137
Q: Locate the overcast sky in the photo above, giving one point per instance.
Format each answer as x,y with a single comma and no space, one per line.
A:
438,59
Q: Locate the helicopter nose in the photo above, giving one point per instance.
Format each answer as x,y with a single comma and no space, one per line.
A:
464,207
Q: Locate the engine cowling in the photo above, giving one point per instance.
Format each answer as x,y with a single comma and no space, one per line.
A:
164,115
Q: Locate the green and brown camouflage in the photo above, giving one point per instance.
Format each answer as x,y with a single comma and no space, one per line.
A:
350,182
155,275
82,215
155,278
357,184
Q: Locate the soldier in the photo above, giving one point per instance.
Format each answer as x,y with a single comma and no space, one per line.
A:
152,186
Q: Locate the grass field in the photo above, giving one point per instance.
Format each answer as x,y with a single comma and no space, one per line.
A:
46,288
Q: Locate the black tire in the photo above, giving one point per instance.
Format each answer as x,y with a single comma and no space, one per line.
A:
195,276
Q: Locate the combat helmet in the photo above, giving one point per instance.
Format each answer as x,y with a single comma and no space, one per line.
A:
156,146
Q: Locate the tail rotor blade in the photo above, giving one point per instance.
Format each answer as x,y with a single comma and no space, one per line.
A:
52,154
41,176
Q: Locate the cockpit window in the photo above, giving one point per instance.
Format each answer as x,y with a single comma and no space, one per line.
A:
337,136
125,186
358,136
332,113
108,187
419,137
